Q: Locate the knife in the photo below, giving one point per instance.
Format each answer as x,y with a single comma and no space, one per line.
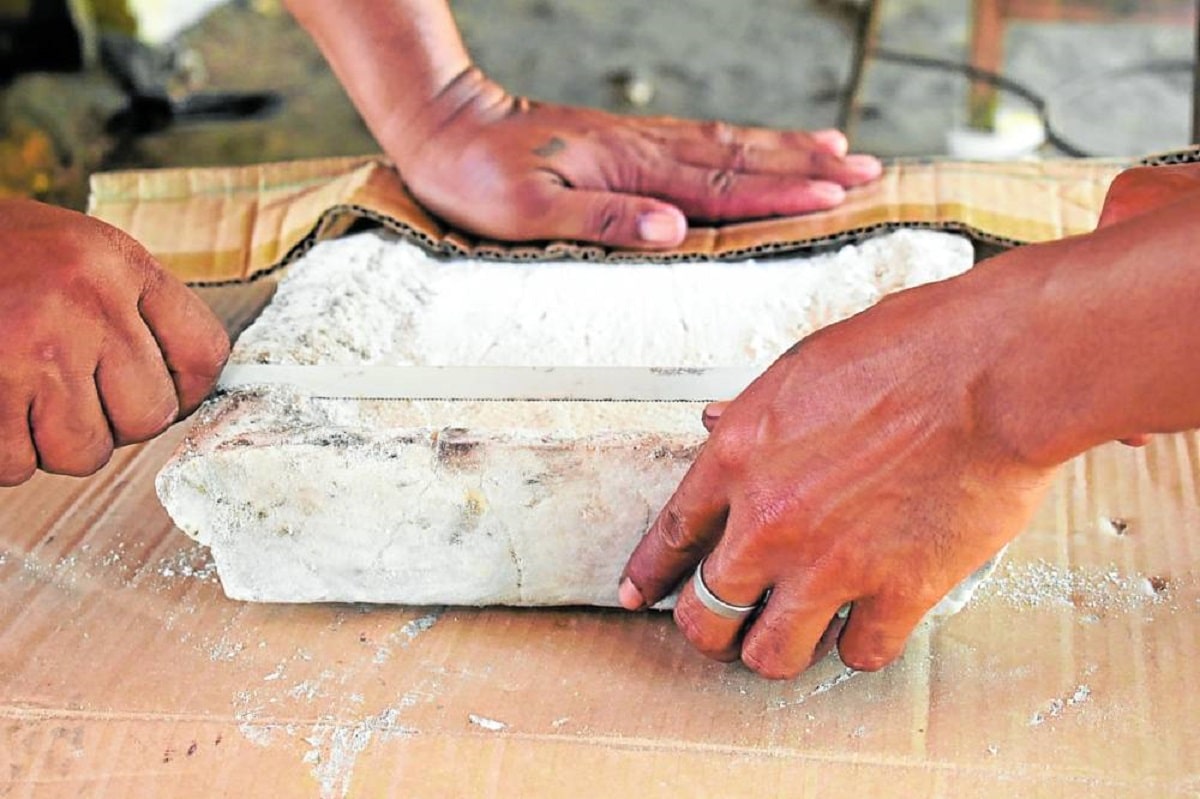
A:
497,383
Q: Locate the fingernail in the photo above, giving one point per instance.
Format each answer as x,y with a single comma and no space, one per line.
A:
867,164
834,139
661,227
712,414
629,596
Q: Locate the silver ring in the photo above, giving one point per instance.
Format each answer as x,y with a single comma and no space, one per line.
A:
714,603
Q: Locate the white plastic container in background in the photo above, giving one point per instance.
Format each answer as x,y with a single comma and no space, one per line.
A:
1018,134
160,21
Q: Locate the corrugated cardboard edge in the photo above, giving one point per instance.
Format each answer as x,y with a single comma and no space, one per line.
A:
232,225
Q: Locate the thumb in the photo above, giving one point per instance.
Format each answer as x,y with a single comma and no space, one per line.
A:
712,414
192,340
616,220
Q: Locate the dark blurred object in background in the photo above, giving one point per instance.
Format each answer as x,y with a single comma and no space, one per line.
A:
44,36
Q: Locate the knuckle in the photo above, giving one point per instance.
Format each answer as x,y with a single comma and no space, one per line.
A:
722,182
531,199
727,447
674,530
197,360
128,250
740,156
703,636
80,463
15,473
49,353
699,632
213,352
819,163
148,421
688,624
217,342
719,131
777,506
608,218
42,348
715,193
77,454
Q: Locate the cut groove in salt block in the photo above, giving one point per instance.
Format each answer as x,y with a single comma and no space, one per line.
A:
475,503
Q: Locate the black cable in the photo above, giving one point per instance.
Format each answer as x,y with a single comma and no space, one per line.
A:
987,76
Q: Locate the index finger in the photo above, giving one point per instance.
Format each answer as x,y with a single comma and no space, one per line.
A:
686,529
193,342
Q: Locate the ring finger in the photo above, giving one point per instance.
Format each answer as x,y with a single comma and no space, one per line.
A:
18,459
729,578
69,429
810,163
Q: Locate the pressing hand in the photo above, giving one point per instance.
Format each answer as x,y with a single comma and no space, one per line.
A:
513,169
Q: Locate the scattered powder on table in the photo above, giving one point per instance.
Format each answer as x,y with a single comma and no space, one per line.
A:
1057,706
490,725
1041,583
193,562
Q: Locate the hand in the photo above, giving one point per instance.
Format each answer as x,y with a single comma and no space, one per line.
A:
868,466
1133,192
512,169
1143,189
101,346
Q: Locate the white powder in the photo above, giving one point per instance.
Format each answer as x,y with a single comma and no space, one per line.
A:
491,725
372,299
1041,583
336,747
1056,707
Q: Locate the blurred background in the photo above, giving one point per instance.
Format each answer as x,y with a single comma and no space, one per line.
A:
111,84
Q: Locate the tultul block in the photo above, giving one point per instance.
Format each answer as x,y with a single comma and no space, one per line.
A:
450,501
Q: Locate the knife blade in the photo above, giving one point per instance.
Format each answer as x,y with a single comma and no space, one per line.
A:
497,383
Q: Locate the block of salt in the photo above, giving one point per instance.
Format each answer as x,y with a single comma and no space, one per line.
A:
473,502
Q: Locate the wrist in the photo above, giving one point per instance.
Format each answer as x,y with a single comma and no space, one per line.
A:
466,95
399,60
1042,392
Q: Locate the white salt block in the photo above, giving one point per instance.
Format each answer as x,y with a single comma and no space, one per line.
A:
475,502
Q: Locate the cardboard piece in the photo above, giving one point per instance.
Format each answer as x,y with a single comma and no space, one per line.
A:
228,225
124,671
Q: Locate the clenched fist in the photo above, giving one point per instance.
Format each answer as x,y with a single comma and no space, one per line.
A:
101,347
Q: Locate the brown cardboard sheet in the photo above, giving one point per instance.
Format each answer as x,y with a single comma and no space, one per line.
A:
124,671
232,224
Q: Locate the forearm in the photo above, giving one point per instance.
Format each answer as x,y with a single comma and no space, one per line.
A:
1096,337
396,58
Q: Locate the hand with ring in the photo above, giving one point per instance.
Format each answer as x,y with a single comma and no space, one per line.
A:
861,468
